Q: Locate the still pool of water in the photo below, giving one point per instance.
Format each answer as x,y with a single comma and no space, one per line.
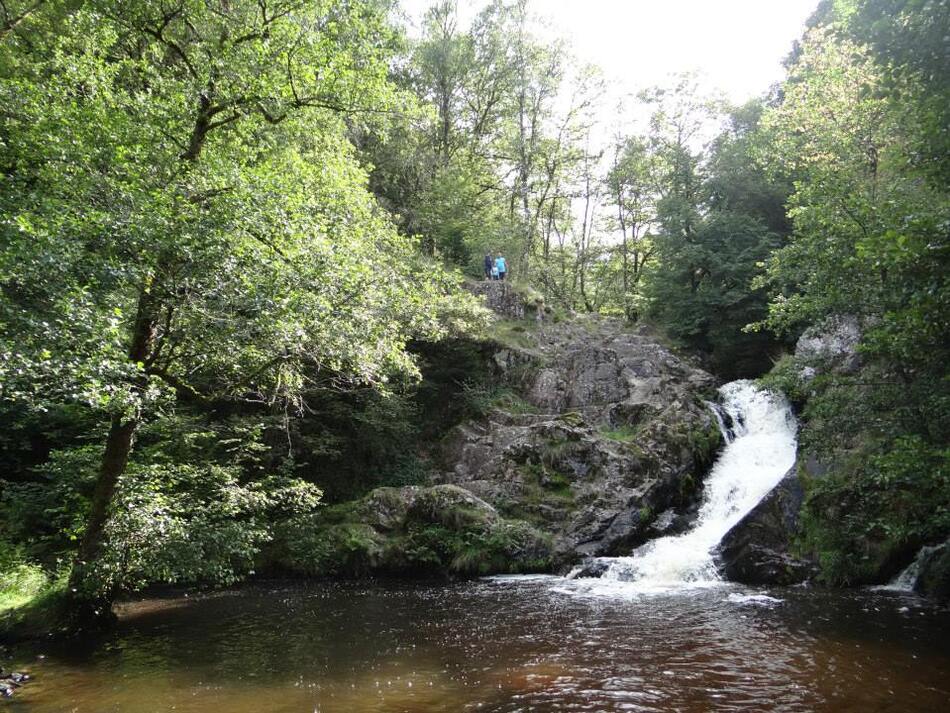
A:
503,644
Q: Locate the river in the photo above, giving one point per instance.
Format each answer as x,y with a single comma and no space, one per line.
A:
659,631
508,644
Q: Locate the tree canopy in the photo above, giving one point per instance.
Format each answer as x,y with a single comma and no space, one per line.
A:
231,233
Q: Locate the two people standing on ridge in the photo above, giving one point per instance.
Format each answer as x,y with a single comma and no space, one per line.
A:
495,269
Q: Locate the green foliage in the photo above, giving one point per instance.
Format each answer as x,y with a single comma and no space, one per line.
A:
874,511
191,525
206,221
20,580
32,597
888,487
183,218
483,400
48,514
494,552
704,442
357,440
720,217
332,549
256,223
786,378
196,504
909,41
857,130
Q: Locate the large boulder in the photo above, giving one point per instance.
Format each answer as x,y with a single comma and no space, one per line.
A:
759,549
441,530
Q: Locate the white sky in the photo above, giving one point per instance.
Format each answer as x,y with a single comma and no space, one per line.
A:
738,45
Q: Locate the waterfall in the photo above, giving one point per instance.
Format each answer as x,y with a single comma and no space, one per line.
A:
907,578
760,448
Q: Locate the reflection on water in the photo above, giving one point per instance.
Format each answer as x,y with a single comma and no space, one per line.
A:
505,644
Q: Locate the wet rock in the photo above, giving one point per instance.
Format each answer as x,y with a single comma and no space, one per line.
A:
673,522
933,579
759,548
590,568
9,682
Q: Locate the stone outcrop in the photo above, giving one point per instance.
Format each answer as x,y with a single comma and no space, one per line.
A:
611,431
593,438
832,346
759,549
500,297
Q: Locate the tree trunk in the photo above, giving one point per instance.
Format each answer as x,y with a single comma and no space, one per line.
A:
122,430
114,460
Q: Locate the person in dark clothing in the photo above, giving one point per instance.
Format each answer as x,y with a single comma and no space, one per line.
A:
489,264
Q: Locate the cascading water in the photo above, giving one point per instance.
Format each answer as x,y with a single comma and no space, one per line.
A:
760,448
906,580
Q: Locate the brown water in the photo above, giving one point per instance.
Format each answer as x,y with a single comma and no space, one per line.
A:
508,645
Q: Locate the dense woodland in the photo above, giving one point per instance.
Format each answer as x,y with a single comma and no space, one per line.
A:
234,237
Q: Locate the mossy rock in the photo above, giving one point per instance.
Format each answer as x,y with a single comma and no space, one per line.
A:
450,506
412,531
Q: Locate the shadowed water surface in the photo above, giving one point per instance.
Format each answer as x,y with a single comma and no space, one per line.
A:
503,644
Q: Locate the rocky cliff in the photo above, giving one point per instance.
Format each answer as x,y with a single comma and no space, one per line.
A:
605,446
592,438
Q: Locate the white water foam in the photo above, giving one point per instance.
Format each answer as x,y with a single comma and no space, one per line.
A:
761,600
759,451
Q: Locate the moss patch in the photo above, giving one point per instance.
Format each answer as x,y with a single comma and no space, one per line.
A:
704,442
621,434
545,495
514,334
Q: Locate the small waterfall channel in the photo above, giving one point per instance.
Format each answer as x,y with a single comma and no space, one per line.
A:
760,433
906,580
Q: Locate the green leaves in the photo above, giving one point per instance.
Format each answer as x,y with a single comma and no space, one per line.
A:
719,218
853,131
202,173
183,218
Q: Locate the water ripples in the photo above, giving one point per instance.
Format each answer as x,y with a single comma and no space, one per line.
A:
506,645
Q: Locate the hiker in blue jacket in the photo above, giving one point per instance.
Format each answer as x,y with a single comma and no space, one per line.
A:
502,267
